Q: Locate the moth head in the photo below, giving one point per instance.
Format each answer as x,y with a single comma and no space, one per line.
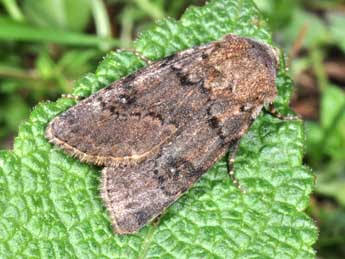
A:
243,68
274,53
267,52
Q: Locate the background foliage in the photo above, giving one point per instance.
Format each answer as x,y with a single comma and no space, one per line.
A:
312,33
44,47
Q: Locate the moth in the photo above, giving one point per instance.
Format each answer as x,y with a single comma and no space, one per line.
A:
156,131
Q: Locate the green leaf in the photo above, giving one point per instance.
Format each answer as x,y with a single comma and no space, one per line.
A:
16,111
13,10
331,181
333,121
331,221
102,21
328,138
59,14
154,10
337,21
316,32
278,12
50,204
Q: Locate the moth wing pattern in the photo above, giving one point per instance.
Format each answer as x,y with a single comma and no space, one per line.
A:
137,194
158,130
127,122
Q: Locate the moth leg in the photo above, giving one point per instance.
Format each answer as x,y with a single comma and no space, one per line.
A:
155,222
231,160
273,111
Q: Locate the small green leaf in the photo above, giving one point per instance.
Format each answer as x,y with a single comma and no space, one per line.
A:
59,14
331,181
50,205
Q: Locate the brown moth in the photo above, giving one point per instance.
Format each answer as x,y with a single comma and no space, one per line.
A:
158,130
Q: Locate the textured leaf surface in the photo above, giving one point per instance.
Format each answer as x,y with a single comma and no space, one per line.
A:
50,205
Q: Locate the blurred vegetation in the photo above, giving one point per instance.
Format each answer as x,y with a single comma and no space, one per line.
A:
45,45
312,32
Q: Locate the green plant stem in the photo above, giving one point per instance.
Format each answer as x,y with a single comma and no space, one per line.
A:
127,27
13,10
6,71
151,9
318,67
102,23
324,5
19,74
328,131
10,30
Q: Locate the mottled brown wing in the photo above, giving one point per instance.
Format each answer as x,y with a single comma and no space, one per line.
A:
160,129
238,89
134,195
128,121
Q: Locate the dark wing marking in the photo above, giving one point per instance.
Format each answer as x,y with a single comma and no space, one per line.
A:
136,194
128,121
